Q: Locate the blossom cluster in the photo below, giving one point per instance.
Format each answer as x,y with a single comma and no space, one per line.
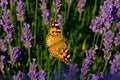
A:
20,11
89,60
71,73
33,74
26,37
45,11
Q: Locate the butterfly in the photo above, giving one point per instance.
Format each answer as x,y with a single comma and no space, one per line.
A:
57,43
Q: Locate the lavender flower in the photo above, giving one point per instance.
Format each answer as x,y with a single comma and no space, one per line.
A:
6,21
41,75
7,26
27,36
70,75
34,74
43,5
2,57
57,4
96,76
115,64
3,45
32,70
14,54
117,36
45,16
60,21
102,23
69,1
116,9
13,2
90,57
45,11
8,37
107,42
96,25
81,5
19,76
20,11
106,13
3,3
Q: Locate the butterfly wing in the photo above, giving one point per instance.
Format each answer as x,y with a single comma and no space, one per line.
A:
60,51
56,42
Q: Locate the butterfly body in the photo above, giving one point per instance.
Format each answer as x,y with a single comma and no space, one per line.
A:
57,43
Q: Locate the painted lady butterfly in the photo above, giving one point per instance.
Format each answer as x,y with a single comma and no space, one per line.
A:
57,43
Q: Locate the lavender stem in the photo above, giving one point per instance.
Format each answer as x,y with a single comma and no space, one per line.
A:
29,57
101,43
94,38
68,10
35,23
80,16
27,4
98,36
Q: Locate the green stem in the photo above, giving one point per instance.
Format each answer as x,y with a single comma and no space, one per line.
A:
94,39
106,62
59,66
48,67
95,7
29,57
101,42
65,13
68,11
27,4
80,14
19,28
35,22
97,38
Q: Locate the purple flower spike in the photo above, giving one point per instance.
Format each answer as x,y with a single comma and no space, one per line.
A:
115,64
96,76
14,54
8,37
3,3
6,21
1,22
70,75
41,75
45,12
27,36
60,21
106,13
117,8
32,70
90,58
81,5
108,43
109,12
46,15
96,25
19,76
69,1
3,45
13,2
2,63
117,36
43,5
7,26
57,4
34,74
20,11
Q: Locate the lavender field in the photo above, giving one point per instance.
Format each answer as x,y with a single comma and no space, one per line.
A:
91,29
